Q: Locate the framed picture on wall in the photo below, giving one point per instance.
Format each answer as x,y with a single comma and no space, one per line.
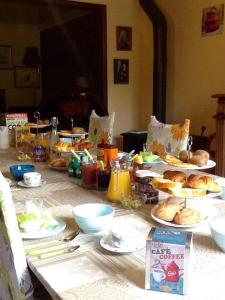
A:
121,71
212,20
5,57
124,38
26,77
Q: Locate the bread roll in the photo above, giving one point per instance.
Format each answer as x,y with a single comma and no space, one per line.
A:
78,130
58,162
167,211
187,216
176,176
198,160
202,153
196,181
175,200
185,155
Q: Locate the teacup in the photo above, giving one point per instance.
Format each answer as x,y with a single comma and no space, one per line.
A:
158,274
123,235
32,178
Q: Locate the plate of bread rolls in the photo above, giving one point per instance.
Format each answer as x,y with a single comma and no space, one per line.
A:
59,164
178,183
172,212
199,160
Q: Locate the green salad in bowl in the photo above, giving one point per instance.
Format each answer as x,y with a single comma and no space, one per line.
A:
35,218
149,156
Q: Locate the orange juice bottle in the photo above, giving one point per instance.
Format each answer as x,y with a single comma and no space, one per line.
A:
120,183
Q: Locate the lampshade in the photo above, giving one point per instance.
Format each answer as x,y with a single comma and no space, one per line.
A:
31,57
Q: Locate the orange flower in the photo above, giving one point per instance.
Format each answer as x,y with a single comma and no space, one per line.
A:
158,149
104,137
180,133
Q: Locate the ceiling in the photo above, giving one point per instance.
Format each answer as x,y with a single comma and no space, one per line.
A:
36,14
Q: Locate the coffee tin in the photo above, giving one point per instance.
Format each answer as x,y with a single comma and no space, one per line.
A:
168,253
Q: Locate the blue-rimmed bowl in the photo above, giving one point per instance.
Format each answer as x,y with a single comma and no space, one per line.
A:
217,227
93,217
17,170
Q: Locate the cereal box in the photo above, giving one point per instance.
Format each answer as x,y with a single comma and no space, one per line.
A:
12,120
168,260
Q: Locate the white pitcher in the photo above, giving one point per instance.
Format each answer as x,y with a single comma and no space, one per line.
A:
4,137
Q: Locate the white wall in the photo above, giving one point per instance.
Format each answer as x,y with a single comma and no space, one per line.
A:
196,65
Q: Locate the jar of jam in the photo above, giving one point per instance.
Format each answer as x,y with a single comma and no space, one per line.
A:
39,153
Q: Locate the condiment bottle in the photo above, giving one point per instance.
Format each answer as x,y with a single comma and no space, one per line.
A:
54,135
120,183
106,153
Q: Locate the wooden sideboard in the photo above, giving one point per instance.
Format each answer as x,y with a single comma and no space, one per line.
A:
220,134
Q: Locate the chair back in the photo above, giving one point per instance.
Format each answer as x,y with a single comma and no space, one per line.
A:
15,282
167,138
101,128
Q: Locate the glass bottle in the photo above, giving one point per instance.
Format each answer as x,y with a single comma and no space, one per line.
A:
120,183
54,134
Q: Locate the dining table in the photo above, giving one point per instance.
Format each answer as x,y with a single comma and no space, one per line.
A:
92,272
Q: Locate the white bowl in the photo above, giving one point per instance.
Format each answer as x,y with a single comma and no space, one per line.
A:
217,227
93,217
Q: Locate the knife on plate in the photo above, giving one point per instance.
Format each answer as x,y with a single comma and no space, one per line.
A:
58,252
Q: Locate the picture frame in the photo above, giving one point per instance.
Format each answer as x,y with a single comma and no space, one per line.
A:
121,71
26,77
6,57
212,20
123,38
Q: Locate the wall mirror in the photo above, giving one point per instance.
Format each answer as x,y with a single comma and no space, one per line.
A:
59,60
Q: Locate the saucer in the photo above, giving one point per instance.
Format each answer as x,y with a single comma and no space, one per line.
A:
106,243
23,184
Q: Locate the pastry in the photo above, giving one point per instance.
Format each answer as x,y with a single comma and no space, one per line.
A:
167,211
214,188
161,183
188,192
187,216
196,181
176,176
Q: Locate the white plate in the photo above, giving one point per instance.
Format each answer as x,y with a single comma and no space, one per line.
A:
39,125
106,243
44,232
172,224
58,168
23,184
210,164
72,134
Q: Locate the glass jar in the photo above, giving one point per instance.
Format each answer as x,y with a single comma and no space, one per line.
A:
39,153
120,183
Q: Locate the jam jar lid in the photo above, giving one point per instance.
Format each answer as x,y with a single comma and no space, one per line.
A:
146,173
39,147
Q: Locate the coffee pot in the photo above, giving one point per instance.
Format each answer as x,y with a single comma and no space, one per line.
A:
172,272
